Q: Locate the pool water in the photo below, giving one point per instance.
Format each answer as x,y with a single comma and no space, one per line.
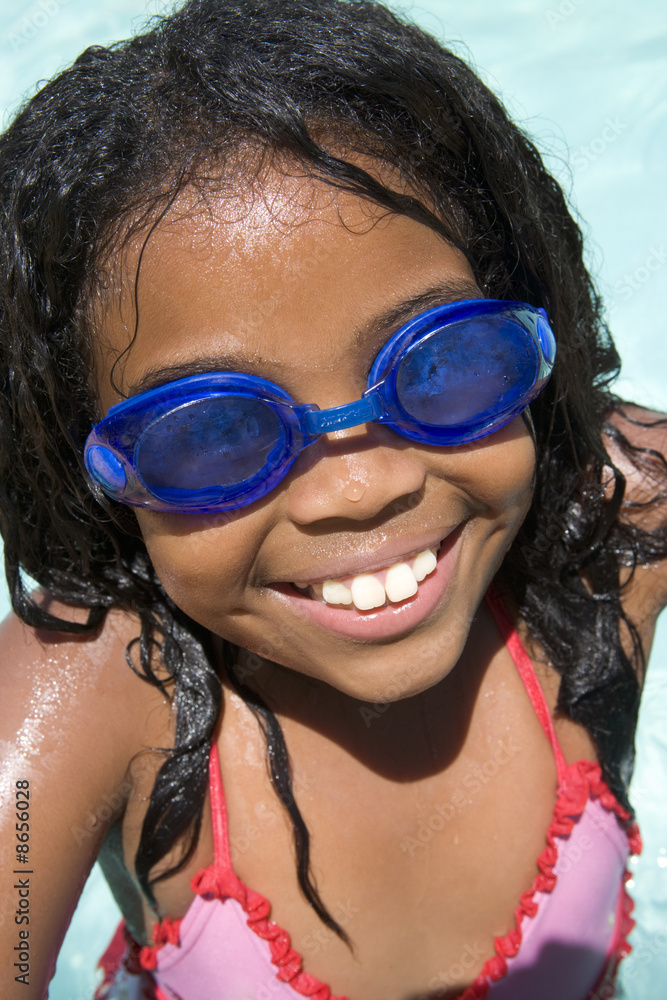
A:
588,80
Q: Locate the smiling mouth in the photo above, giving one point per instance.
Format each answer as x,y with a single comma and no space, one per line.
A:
366,591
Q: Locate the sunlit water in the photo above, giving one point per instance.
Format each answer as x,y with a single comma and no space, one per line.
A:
588,80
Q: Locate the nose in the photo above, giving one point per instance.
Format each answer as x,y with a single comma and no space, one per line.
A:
355,474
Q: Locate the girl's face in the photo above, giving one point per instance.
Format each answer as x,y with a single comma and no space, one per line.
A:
302,284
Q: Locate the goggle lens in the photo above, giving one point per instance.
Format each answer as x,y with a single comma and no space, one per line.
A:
212,444
465,372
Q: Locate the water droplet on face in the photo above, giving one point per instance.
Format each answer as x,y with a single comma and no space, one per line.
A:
354,491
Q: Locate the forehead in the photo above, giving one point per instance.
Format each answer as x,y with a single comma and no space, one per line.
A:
287,269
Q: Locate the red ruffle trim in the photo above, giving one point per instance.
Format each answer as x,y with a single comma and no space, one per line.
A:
123,952
212,883
583,780
166,932
622,948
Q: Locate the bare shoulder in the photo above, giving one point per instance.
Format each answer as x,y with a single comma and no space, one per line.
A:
73,718
79,685
644,465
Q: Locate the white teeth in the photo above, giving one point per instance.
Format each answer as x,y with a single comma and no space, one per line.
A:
367,592
334,592
401,582
424,564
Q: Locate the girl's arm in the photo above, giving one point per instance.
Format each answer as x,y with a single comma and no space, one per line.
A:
73,717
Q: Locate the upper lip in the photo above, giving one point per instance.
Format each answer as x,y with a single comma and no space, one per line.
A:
353,564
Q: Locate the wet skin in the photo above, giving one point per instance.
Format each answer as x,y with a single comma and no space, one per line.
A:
292,283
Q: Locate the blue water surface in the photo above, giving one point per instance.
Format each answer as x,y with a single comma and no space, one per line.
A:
588,80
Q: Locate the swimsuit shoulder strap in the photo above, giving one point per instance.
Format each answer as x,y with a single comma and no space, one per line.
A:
527,674
221,847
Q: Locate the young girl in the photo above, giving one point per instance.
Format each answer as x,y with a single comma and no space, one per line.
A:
348,559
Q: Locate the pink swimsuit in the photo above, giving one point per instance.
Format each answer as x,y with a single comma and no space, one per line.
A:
570,929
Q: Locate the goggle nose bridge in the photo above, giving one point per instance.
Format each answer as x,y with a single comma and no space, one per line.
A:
337,418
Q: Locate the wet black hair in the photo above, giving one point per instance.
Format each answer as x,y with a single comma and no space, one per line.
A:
105,148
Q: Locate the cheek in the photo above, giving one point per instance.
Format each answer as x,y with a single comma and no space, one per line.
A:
509,471
201,562
497,472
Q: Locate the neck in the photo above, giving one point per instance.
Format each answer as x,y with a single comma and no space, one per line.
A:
401,740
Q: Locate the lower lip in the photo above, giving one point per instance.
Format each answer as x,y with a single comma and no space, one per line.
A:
391,619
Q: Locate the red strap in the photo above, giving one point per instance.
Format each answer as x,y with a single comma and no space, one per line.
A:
526,671
223,860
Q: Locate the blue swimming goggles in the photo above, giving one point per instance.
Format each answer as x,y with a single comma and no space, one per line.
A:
222,440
